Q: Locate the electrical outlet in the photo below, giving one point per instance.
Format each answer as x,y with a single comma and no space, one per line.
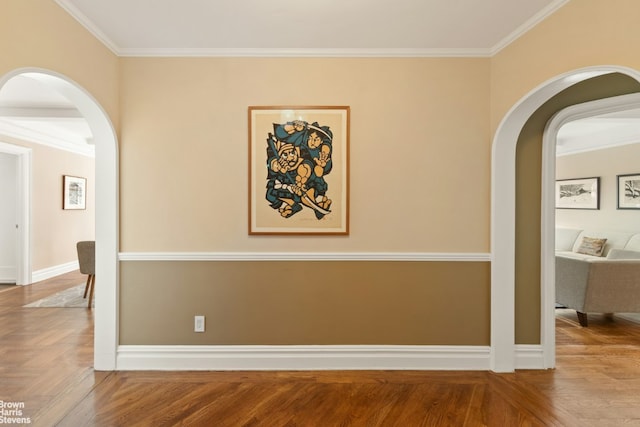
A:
198,324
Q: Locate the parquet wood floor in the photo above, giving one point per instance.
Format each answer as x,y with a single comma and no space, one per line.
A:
46,357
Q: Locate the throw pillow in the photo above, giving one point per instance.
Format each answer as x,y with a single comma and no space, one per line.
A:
591,246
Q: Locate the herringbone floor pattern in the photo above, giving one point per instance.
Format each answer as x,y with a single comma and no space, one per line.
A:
46,376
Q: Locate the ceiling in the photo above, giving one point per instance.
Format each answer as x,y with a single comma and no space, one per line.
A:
595,133
295,27
30,109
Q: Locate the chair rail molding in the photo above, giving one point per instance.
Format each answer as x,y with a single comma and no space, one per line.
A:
303,256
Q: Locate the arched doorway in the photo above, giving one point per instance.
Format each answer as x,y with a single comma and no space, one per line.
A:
503,220
548,220
106,187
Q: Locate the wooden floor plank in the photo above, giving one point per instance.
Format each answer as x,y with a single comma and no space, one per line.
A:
46,356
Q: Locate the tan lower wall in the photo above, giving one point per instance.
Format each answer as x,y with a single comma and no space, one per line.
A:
305,302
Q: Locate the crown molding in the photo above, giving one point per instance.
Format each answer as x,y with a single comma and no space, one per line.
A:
26,134
603,146
307,53
88,25
528,25
593,109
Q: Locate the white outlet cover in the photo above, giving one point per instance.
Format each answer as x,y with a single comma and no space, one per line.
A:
198,324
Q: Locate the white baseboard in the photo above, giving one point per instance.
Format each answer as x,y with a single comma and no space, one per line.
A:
633,317
47,273
530,357
304,358
278,358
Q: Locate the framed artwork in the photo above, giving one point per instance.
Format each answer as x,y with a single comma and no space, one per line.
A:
629,191
579,193
299,170
74,192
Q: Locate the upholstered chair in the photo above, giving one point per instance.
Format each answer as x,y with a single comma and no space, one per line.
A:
87,261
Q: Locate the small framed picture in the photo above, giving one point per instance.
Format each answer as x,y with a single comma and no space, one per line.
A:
629,191
579,193
74,192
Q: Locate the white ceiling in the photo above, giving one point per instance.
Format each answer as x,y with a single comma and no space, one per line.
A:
595,133
306,27
30,109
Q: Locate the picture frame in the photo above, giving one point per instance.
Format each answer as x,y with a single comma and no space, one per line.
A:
629,191
298,170
74,192
578,193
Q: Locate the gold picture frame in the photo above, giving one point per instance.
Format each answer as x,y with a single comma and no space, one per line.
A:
299,170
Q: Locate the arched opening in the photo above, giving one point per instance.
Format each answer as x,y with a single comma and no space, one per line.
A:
548,220
503,207
106,205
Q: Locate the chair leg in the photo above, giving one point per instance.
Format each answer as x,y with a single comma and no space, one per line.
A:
86,288
582,318
91,288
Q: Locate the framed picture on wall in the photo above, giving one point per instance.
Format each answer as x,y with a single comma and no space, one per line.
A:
629,191
74,192
578,193
299,170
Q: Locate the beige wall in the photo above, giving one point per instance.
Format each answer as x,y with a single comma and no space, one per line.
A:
419,161
54,231
420,169
39,34
606,164
419,152
583,33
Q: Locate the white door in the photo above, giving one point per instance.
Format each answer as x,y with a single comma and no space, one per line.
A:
8,218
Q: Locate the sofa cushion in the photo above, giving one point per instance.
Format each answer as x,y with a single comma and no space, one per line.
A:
575,255
623,254
566,238
591,246
634,243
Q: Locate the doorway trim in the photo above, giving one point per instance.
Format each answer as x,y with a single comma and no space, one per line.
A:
106,205
23,181
548,214
503,235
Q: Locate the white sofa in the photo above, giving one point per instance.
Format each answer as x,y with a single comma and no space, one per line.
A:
609,283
